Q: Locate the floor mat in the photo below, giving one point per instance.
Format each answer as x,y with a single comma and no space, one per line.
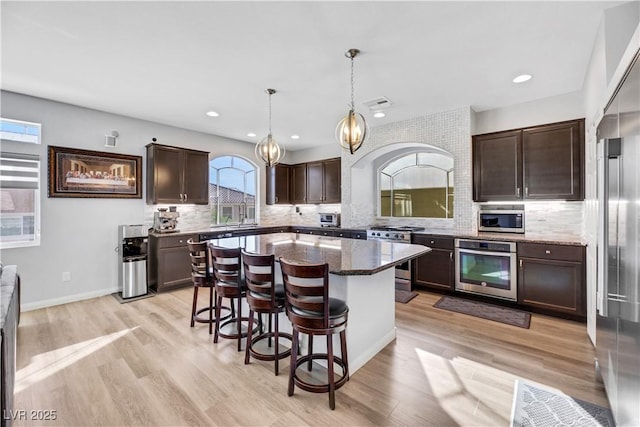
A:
535,405
405,296
518,318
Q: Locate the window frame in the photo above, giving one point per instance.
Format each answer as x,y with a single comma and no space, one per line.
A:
217,209
35,240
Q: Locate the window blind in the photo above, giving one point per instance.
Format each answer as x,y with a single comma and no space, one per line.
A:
19,171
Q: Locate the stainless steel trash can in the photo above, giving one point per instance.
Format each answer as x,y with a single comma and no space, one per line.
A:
132,265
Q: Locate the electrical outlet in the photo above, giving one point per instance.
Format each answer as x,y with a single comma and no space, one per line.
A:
66,276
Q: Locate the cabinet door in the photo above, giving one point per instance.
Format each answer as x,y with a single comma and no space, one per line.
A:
435,269
281,184
552,285
299,183
164,175
315,182
497,160
196,177
332,181
174,268
552,157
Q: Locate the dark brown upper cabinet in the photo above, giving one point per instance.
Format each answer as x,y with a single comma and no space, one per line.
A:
324,181
299,183
279,184
177,175
312,182
536,163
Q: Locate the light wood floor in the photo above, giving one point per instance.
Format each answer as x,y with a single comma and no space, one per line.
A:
98,362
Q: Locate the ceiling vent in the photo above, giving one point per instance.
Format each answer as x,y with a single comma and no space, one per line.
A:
377,104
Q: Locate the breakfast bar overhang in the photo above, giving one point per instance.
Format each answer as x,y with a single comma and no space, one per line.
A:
361,273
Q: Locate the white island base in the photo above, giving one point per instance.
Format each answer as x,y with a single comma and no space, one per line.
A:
371,324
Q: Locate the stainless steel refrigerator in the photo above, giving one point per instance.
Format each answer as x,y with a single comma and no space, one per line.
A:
618,297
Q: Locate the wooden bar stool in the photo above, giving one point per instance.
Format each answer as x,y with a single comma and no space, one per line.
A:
312,312
264,296
202,277
229,283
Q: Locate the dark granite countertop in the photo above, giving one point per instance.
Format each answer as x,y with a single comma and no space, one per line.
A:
556,239
345,257
246,229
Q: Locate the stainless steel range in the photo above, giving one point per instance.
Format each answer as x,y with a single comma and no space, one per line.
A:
399,234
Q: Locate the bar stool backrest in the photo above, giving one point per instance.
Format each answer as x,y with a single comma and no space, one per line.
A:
307,301
226,265
259,277
200,269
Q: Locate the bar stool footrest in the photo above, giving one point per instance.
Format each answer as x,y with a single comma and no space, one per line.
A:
201,319
270,356
320,388
234,321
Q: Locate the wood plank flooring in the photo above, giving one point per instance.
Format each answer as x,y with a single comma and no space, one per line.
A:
102,363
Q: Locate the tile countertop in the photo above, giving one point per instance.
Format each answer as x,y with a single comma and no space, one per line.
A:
346,257
556,239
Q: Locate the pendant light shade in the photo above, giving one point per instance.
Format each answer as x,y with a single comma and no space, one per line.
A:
352,130
267,149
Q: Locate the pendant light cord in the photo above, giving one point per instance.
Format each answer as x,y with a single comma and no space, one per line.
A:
352,84
269,113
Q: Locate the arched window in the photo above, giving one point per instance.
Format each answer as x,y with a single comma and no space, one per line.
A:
417,185
232,190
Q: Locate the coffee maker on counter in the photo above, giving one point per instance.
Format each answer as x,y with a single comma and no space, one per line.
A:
166,220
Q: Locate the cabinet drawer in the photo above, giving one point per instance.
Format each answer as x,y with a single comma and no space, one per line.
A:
438,242
343,234
359,235
557,252
173,241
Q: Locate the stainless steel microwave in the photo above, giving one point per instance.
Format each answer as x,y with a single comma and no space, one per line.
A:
501,218
329,219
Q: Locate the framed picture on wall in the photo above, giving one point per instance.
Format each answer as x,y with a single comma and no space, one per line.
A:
83,173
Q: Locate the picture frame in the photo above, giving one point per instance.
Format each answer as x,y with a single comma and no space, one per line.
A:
93,174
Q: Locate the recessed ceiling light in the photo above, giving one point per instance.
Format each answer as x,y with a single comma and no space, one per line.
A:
522,78
212,114
251,134
378,114
294,136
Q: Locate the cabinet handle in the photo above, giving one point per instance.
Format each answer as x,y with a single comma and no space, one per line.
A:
432,242
548,252
526,191
521,263
450,256
180,196
185,197
518,191
180,241
276,198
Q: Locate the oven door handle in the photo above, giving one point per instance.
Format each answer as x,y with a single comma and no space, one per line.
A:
473,251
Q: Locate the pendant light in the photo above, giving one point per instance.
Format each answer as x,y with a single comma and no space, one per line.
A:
352,131
267,149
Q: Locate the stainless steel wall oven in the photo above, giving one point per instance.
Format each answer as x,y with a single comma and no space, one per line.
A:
487,268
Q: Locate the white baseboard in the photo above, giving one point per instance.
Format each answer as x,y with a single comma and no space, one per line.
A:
66,299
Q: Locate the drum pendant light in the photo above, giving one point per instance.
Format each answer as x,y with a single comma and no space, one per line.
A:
352,130
267,149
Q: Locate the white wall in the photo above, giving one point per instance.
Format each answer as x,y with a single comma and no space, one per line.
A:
547,110
80,235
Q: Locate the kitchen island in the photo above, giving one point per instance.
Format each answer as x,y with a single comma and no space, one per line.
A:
361,273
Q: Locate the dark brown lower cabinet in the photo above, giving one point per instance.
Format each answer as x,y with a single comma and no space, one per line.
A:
552,278
435,269
169,264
